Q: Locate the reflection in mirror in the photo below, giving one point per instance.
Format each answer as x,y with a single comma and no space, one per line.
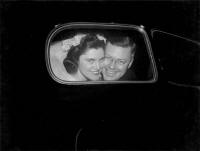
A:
100,54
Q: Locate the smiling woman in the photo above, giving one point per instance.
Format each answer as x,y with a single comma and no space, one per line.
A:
83,61
82,58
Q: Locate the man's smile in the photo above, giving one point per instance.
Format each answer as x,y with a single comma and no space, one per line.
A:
110,73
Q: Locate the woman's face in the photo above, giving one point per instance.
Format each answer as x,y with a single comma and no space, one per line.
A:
90,63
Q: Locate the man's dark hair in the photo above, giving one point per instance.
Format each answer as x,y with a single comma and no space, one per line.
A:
89,41
122,41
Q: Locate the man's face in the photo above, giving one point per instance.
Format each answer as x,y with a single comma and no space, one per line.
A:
90,63
117,61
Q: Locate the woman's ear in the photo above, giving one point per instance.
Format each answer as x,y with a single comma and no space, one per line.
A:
131,61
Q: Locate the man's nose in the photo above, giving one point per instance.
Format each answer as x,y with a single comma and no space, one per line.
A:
112,64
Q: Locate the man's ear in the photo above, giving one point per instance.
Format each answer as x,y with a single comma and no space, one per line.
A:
131,61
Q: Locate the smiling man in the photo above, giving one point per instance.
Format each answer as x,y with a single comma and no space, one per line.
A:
119,56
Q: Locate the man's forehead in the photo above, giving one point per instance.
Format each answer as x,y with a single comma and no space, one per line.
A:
118,51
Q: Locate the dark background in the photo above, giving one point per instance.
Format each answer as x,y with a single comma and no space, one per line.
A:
28,92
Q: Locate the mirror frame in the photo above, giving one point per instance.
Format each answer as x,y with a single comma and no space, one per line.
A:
71,25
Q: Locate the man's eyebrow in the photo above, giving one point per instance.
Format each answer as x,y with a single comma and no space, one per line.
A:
122,59
108,56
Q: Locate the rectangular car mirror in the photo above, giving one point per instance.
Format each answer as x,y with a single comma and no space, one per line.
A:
99,53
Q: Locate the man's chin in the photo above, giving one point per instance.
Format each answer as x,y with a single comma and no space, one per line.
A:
109,78
111,75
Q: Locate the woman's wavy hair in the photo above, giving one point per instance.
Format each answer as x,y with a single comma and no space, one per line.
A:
72,58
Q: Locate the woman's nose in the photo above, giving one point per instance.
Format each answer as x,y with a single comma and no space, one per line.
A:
97,66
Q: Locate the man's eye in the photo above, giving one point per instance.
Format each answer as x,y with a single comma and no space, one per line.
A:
121,61
108,58
90,60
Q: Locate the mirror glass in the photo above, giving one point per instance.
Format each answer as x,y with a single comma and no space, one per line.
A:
99,53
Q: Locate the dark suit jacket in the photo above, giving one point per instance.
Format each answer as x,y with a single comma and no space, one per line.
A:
129,75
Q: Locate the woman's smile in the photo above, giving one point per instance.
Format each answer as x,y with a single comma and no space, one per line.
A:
95,72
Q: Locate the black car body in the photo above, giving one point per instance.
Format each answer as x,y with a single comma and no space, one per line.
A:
41,114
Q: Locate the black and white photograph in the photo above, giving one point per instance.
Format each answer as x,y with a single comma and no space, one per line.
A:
100,75
101,55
